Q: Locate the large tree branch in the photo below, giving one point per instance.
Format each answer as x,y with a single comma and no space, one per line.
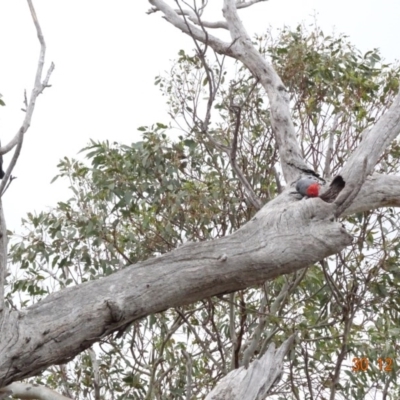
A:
65,323
377,191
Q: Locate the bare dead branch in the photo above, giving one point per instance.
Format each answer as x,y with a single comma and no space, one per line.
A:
197,21
255,382
152,10
22,391
29,111
244,4
38,88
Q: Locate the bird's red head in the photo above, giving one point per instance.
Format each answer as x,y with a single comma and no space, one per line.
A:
313,190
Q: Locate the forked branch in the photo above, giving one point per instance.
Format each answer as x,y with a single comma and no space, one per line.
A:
38,88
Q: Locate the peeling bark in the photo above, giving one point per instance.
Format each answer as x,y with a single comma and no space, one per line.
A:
255,382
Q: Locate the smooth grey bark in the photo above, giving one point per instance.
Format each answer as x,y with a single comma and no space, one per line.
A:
254,382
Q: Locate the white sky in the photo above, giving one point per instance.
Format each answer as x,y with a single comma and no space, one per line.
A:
107,54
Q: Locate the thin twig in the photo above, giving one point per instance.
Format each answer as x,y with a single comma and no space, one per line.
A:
201,54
